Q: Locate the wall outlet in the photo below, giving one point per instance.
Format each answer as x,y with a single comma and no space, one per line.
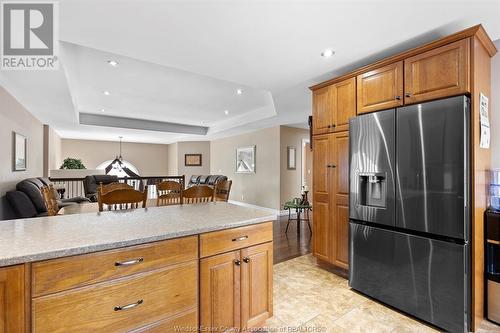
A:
242,197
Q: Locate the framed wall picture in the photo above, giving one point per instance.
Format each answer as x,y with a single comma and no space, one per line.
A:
192,160
245,159
291,157
19,152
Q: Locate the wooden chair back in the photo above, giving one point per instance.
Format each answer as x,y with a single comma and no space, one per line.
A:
198,194
222,189
168,193
50,198
121,198
114,186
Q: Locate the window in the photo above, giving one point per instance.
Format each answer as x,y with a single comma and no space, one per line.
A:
117,170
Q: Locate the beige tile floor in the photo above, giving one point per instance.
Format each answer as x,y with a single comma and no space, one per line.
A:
310,299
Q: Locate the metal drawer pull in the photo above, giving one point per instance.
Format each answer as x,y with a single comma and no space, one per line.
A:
240,238
246,259
237,262
129,306
129,262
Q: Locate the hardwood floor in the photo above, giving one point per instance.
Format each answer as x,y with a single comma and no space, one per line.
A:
288,246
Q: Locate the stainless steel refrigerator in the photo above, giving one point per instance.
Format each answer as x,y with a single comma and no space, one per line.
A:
409,210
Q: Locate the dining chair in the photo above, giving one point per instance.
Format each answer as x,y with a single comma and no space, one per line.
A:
222,189
168,193
121,197
105,188
197,194
50,198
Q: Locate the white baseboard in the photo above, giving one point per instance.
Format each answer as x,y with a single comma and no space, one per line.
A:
284,212
244,204
271,210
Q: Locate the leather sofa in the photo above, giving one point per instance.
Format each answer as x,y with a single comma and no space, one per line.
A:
209,180
91,183
27,200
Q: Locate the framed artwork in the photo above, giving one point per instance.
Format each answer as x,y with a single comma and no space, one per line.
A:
245,159
291,154
192,160
19,152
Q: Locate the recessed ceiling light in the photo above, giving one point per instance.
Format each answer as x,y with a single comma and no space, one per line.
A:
226,112
102,110
327,53
239,91
113,63
107,93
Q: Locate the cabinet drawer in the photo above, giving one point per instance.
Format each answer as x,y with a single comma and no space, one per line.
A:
145,298
231,239
184,322
65,273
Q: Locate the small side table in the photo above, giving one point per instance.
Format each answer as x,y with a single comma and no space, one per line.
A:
299,209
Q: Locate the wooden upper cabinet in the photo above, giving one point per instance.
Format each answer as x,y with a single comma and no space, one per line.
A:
333,106
438,73
12,294
322,110
381,88
345,104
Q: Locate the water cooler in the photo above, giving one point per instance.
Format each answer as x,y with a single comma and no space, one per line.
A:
492,250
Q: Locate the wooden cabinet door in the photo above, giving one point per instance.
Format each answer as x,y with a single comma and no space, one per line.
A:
220,292
340,200
381,88
256,285
438,73
12,294
322,227
345,104
323,109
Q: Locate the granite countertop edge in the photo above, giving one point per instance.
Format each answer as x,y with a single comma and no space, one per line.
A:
79,250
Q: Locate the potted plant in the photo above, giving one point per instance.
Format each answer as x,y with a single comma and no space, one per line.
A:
72,163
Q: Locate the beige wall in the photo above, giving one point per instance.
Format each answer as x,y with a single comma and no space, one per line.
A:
261,188
54,150
291,180
14,117
495,112
51,150
150,159
193,147
172,159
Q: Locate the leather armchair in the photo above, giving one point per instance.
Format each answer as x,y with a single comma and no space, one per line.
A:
90,184
194,180
27,200
209,180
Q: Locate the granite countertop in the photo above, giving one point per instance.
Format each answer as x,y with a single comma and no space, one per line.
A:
28,240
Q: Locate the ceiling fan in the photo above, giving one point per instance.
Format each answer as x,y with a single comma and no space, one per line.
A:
118,164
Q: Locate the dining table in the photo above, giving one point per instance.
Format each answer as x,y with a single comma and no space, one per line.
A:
92,207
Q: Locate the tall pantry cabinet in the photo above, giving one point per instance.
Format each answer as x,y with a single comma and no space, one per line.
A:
333,105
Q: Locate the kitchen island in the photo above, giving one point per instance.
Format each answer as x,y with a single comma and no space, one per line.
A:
154,269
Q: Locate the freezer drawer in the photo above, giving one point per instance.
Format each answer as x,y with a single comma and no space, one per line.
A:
431,163
423,277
